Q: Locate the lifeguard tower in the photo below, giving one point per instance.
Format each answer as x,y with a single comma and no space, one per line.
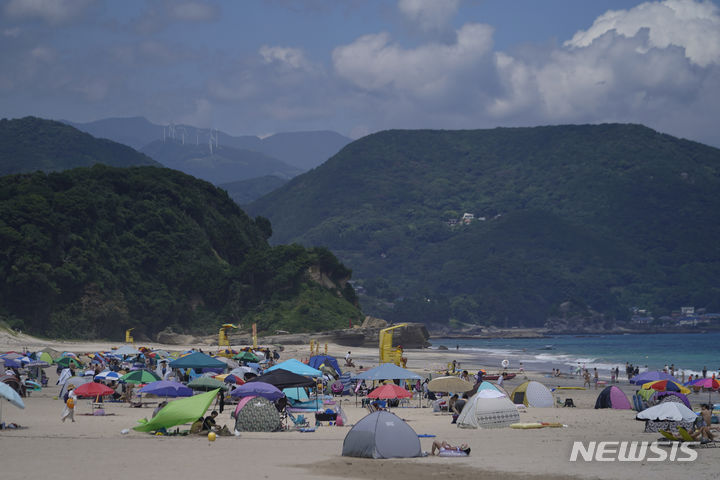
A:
128,337
388,354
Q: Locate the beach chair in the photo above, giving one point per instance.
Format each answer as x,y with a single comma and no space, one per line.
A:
298,422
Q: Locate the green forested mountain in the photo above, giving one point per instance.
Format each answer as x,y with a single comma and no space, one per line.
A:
30,144
605,216
90,252
246,191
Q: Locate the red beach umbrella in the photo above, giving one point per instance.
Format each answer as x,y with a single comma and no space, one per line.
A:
93,389
389,391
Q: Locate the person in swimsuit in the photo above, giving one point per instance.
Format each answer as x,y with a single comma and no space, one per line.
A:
443,446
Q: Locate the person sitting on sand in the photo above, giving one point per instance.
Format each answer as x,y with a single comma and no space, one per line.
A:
443,446
209,421
701,430
197,425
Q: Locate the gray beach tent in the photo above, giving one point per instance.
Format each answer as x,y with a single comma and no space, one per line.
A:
381,435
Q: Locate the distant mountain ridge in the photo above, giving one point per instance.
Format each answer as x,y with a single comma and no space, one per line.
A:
29,144
303,150
244,192
605,216
224,164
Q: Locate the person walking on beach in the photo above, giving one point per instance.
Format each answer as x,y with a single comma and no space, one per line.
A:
69,410
704,372
596,378
586,378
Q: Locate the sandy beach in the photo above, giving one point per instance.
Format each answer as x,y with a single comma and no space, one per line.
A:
48,448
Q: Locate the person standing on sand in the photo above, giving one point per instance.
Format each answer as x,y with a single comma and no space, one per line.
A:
596,378
69,410
704,372
586,378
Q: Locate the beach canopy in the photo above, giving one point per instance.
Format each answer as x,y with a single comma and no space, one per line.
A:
296,366
532,394
449,384
381,435
387,371
283,379
93,389
651,376
177,412
124,351
75,381
667,411
258,415
197,360
390,391
613,397
165,388
488,409
318,360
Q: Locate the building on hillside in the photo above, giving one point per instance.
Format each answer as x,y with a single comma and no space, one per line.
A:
467,218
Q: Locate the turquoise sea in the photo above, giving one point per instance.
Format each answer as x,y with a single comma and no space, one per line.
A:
688,351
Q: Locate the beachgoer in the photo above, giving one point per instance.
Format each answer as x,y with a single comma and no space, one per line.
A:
349,360
479,376
221,400
276,355
701,430
454,365
596,378
209,421
197,425
69,410
501,379
586,378
443,446
704,372
160,406
465,375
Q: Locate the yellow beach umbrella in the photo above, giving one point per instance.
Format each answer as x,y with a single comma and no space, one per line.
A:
666,386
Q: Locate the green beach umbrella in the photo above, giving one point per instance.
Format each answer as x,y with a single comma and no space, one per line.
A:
177,412
140,376
207,383
246,357
67,362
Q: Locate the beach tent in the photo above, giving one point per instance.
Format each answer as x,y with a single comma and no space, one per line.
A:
177,412
298,394
532,394
76,381
258,415
124,351
672,397
388,371
488,409
197,360
449,384
649,376
381,435
296,366
613,397
318,360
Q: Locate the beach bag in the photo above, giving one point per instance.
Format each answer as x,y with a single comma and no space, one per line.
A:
70,403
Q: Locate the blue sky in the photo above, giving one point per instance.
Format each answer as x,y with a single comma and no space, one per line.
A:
360,66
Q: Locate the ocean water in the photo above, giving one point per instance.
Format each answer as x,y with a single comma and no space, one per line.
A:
689,351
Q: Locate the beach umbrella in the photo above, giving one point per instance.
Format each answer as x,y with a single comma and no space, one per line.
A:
177,412
228,361
230,378
140,376
11,362
258,389
108,375
8,393
710,383
284,379
246,357
449,384
242,370
666,385
93,389
166,388
668,411
649,376
206,383
388,371
390,391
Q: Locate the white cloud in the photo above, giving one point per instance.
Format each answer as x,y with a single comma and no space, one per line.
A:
51,11
293,58
694,26
373,63
429,15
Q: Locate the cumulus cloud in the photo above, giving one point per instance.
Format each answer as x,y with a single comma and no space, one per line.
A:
293,58
372,62
694,26
50,11
429,15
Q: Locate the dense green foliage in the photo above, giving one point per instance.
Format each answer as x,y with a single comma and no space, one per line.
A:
224,164
246,191
90,252
30,144
609,216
